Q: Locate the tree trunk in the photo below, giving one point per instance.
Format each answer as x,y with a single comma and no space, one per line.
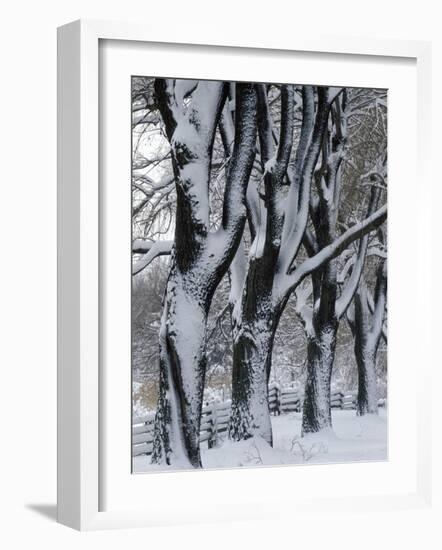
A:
321,347
256,318
367,387
252,362
366,344
182,372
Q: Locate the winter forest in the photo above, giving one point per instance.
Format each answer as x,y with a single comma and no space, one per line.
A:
259,274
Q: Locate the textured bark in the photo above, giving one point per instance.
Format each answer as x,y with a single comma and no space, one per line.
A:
272,269
316,414
182,372
329,305
252,364
365,354
322,339
367,327
367,387
199,258
250,414
321,351
256,318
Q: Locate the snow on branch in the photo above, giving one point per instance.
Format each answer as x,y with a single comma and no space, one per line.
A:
190,111
287,128
350,287
380,300
241,163
296,275
375,250
151,250
275,163
298,195
298,220
302,308
371,307
227,130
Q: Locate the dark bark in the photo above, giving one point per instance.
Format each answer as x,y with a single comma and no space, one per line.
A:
365,356
367,327
197,268
252,364
182,372
322,340
261,305
321,348
329,308
255,330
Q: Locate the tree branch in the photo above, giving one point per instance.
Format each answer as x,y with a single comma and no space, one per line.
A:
333,250
240,166
297,195
294,237
349,290
151,250
371,306
275,167
380,300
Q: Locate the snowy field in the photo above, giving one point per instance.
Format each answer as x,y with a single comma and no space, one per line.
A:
354,439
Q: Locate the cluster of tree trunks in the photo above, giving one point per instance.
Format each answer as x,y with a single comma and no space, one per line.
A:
293,220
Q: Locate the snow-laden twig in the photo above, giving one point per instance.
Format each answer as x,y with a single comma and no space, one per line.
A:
151,250
352,283
333,250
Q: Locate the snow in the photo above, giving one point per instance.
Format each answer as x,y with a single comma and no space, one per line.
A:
257,247
270,165
353,439
153,250
336,247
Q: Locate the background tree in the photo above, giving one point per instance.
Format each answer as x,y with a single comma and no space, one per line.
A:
330,301
366,319
367,326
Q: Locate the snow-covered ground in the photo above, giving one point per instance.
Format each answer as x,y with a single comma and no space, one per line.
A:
353,439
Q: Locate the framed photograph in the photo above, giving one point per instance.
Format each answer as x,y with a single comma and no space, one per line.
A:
234,220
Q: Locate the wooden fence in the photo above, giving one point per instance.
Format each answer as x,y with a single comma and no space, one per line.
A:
215,417
290,400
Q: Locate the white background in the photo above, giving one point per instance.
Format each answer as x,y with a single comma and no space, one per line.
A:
28,277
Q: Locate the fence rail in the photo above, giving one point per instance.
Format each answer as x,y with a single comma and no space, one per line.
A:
215,417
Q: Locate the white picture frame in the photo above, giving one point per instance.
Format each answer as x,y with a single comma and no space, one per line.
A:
80,434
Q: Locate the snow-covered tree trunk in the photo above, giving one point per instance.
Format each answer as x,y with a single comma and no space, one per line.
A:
367,386
200,258
252,362
367,328
256,314
182,371
250,415
321,347
322,338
